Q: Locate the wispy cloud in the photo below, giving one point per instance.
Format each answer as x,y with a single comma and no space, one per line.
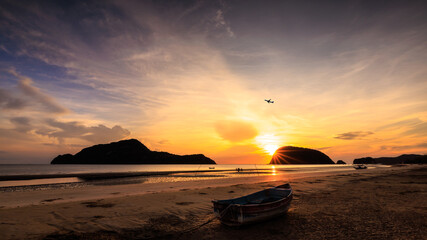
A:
221,23
399,124
353,135
28,97
48,103
405,147
407,127
31,96
419,129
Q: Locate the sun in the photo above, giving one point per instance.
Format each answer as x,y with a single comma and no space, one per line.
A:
270,148
268,142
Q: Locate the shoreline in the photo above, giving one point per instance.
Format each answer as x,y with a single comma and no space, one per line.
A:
11,182
343,205
138,173
21,196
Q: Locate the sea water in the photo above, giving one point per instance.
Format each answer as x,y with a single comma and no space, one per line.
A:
39,174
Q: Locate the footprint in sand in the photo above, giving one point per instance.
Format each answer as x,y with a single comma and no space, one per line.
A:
57,215
184,203
51,200
98,204
5,223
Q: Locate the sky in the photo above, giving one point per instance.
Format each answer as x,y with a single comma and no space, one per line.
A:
348,78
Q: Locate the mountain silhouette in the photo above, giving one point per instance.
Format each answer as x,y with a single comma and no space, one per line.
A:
129,151
405,158
299,155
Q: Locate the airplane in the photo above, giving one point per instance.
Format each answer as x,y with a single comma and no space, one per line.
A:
269,100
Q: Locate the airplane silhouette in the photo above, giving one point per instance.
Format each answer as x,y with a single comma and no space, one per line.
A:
269,100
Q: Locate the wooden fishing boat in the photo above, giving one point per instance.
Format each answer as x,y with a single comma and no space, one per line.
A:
256,207
360,166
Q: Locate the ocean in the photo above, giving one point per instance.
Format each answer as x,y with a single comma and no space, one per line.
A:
12,175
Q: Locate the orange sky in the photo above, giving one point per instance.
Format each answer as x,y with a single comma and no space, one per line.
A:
348,79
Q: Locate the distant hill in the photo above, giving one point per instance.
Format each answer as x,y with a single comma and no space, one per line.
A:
405,158
298,155
341,162
128,152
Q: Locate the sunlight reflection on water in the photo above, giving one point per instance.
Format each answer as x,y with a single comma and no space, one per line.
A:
177,174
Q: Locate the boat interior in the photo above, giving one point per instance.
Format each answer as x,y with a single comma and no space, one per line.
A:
264,196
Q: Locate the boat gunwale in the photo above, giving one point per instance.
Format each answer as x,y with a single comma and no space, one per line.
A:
255,204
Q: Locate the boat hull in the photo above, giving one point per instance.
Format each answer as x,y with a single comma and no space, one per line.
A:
242,214
360,167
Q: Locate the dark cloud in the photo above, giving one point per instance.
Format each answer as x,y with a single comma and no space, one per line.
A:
323,148
353,135
21,120
235,131
22,124
7,101
94,134
16,135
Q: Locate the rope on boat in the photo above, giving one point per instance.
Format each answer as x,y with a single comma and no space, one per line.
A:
221,214
183,232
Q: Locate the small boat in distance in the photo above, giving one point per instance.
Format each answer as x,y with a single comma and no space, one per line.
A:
255,207
360,166
211,167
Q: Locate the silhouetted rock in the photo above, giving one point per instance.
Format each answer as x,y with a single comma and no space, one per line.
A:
365,160
128,152
298,155
63,158
405,158
341,162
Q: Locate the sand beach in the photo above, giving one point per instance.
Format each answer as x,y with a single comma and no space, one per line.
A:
381,203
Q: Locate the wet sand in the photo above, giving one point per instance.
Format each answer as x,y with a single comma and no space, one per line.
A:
384,203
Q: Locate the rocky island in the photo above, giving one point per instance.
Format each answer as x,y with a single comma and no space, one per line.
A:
299,155
129,151
402,159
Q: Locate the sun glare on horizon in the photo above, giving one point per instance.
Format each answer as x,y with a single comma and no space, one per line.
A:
270,148
269,143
